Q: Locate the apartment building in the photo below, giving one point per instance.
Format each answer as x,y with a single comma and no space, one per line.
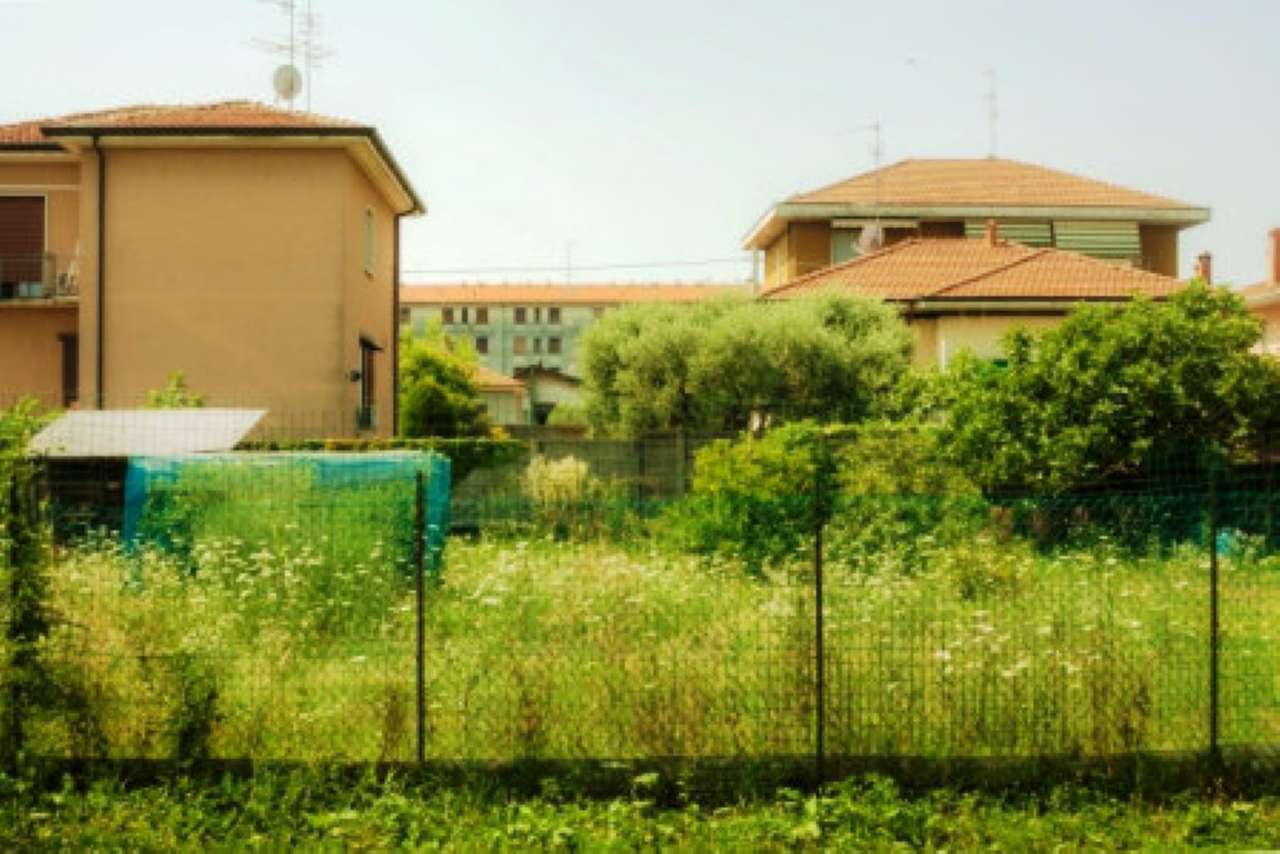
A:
253,248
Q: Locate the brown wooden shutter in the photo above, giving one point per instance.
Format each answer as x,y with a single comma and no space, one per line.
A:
21,225
21,239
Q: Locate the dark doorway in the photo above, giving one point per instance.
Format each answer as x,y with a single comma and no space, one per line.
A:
70,368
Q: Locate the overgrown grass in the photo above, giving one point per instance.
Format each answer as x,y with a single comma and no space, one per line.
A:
547,649
277,811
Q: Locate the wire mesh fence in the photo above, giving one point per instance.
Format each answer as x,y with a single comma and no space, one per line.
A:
708,606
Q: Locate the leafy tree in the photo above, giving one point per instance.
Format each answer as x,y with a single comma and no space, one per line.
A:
1112,389
175,395
714,366
438,392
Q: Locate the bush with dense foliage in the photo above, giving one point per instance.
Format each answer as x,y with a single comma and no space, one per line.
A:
1111,390
880,488
719,365
438,392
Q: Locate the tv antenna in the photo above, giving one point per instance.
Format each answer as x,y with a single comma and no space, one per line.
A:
872,236
993,109
302,44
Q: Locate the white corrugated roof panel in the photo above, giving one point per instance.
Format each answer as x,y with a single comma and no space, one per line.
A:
145,432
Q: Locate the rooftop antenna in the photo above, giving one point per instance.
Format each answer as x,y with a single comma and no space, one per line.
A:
872,236
303,41
993,109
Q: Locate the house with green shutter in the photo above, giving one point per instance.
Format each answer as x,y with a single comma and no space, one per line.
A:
1032,205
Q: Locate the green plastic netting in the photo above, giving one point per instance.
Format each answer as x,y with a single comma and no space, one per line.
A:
342,507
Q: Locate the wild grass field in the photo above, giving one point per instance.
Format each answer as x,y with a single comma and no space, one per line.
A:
541,648
274,811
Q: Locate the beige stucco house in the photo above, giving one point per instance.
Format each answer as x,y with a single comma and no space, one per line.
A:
1263,298
939,198
958,294
255,249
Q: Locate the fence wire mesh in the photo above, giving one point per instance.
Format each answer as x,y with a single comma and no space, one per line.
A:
694,603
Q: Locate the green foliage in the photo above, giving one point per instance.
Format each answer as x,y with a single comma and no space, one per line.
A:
898,497
1113,389
567,415
175,395
712,366
315,808
879,489
25,611
438,392
754,499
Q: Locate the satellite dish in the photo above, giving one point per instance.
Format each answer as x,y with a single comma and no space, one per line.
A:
871,238
287,81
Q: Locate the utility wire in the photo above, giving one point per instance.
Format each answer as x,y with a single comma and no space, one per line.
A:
703,262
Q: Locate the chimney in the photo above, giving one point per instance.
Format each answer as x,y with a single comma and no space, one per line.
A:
1274,268
1204,268
993,232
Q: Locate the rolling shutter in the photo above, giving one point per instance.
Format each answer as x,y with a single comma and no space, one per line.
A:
1117,241
1027,233
21,239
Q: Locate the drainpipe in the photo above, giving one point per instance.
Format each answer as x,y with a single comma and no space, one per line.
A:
395,327
102,271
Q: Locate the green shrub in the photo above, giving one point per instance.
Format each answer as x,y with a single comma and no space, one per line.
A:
754,499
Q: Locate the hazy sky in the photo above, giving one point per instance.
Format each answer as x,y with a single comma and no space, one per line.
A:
634,133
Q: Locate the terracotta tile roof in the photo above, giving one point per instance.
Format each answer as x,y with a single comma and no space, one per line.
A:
223,116
987,181
956,269
488,379
586,294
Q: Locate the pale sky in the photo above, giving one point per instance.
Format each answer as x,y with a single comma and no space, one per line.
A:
633,133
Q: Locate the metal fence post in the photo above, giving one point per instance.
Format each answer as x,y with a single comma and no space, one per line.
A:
1215,754
419,555
820,664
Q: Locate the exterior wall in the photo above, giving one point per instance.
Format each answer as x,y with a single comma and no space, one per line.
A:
978,333
810,248
1160,248
367,298
1270,316
505,406
226,264
777,260
31,354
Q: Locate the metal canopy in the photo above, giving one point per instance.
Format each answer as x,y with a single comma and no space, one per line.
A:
145,432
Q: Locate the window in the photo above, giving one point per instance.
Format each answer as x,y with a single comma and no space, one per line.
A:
553,314
521,315
537,345
482,316
597,311
446,315
368,242
482,344
404,314
553,345
519,345
537,315
465,312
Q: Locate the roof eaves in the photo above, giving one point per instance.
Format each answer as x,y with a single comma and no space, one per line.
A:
278,132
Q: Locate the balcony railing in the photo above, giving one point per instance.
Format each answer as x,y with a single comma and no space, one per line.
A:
35,277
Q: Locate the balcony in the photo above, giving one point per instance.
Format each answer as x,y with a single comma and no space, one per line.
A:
35,279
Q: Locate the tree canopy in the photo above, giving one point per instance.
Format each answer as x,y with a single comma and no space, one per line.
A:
1112,389
438,392
711,366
